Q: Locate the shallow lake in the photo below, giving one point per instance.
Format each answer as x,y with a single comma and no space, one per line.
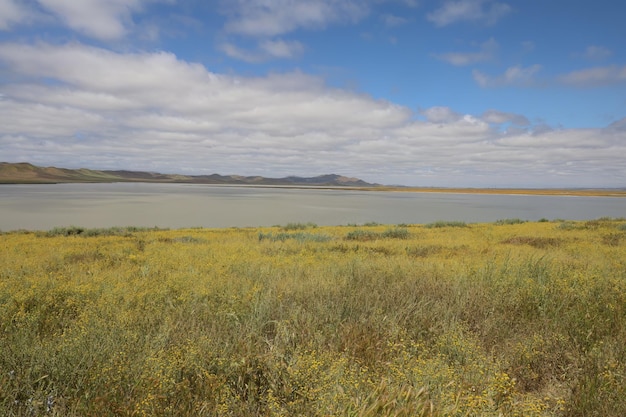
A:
42,207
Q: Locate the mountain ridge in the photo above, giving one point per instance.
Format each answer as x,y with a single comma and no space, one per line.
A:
27,173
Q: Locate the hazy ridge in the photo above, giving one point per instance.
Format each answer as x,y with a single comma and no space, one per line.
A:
23,172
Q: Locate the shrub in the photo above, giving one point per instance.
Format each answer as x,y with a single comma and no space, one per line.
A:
423,251
300,237
442,223
362,235
502,222
299,226
534,241
111,231
564,225
371,224
396,233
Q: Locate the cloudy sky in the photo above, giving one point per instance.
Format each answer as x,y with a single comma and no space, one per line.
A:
479,93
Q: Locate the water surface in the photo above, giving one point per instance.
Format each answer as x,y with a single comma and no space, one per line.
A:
42,207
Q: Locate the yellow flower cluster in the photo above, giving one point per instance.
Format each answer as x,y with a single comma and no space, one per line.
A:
503,319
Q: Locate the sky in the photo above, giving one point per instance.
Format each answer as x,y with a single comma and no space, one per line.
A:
451,93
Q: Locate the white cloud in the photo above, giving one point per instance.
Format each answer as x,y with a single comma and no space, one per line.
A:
154,111
241,54
269,18
499,117
100,19
597,76
513,76
486,52
484,11
11,13
266,49
391,20
596,53
282,49
441,114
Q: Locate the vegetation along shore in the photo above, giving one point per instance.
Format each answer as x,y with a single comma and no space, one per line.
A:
510,318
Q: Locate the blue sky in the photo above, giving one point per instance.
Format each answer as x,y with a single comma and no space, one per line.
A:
478,93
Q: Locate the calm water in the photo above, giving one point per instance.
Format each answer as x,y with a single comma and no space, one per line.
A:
42,207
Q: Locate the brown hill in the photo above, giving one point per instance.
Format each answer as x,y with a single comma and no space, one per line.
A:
24,173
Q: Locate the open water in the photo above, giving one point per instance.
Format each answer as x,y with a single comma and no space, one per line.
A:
42,207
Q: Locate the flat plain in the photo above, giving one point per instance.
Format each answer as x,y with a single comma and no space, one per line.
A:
509,318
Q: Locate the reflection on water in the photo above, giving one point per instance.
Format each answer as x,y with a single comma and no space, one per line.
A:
41,207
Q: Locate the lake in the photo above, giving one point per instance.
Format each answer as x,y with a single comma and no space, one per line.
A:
42,207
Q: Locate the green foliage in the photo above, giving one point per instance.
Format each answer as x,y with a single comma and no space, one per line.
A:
367,235
396,233
371,224
85,232
300,237
299,226
502,222
441,223
567,225
362,235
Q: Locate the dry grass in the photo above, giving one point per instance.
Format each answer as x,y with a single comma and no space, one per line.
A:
508,319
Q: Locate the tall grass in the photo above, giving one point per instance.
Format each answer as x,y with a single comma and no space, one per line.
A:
516,319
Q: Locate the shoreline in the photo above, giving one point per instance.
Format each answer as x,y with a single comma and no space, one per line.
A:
573,192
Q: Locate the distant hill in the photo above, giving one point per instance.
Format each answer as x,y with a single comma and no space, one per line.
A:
25,173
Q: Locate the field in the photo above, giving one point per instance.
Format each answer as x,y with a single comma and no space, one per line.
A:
510,318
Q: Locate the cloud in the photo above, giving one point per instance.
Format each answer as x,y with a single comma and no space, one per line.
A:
619,125
528,46
265,50
391,20
267,18
282,49
486,53
482,11
101,19
440,114
241,54
499,117
593,77
513,76
596,53
12,13
74,105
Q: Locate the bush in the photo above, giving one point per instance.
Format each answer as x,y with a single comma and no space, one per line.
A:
502,222
111,231
396,233
534,241
442,223
299,226
300,237
362,235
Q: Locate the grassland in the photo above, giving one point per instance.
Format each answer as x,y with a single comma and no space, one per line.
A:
510,318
